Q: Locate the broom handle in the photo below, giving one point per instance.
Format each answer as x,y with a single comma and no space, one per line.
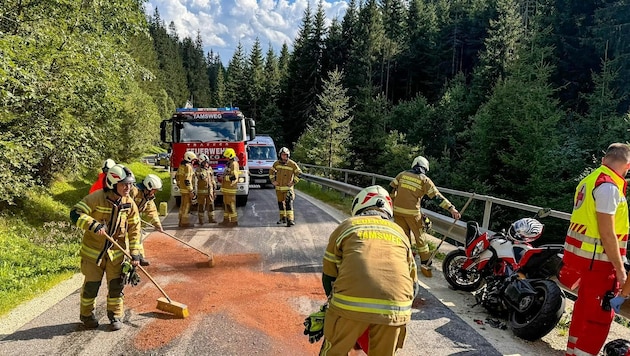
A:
451,227
178,239
141,268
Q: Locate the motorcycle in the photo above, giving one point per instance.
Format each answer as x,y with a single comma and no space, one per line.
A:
509,276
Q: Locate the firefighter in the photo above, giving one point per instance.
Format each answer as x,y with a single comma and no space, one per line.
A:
184,178
408,189
206,187
283,175
109,211
143,195
98,184
595,243
229,187
370,278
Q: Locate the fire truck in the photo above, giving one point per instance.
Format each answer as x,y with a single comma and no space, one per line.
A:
209,131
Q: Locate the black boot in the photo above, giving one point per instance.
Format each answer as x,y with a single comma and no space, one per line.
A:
290,223
144,262
89,322
282,221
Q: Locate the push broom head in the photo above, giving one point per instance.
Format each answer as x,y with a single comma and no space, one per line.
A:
427,271
175,308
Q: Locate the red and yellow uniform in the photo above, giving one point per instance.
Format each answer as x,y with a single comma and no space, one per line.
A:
374,270
184,178
120,217
286,175
229,186
585,263
206,186
410,188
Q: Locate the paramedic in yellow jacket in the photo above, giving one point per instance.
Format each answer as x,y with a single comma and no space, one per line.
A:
283,175
370,277
184,178
112,212
143,194
408,189
229,187
206,186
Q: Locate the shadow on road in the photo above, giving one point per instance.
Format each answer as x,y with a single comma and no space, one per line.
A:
49,332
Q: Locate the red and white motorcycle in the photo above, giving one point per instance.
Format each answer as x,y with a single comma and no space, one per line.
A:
510,277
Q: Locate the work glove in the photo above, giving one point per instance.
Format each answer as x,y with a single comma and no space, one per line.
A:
427,223
129,274
314,325
616,303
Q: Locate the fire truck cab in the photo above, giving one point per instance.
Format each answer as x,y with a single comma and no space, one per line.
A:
209,131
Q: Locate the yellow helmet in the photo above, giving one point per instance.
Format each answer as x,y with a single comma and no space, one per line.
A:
229,153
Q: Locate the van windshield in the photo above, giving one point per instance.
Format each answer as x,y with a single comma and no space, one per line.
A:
262,153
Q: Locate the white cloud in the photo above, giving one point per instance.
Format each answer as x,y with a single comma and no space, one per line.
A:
223,23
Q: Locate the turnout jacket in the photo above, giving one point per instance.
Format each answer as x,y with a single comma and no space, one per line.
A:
145,206
284,173
120,217
410,188
205,181
230,178
184,177
375,272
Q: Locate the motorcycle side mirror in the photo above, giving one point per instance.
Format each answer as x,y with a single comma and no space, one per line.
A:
543,213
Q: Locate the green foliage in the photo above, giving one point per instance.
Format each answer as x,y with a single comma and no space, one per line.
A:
327,138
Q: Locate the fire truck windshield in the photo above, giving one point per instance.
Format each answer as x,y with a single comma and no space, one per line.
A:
207,131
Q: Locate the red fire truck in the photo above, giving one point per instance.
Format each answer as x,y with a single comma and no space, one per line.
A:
209,131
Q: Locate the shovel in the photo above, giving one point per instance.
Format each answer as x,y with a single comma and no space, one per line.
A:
164,304
426,269
210,257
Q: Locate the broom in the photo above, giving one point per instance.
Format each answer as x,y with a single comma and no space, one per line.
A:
210,257
426,269
164,304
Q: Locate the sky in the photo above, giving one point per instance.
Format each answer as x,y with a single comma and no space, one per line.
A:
223,23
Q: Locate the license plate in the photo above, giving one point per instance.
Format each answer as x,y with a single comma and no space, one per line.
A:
260,181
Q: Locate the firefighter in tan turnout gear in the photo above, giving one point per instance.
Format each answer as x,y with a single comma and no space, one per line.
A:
408,188
206,187
143,194
184,178
229,187
370,277
284,174
112,212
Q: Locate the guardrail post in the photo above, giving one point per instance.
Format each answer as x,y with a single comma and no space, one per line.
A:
345,177
487,210
373,180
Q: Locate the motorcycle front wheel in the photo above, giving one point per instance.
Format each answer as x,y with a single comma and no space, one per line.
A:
546,309
456,276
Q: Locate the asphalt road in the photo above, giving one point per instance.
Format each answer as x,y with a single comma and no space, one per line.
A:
297,251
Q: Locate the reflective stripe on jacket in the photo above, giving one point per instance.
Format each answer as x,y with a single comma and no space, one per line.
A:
120,218
372,262
284,173
583,241
229,185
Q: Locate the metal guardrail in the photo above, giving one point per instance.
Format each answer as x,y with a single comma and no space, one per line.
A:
442,223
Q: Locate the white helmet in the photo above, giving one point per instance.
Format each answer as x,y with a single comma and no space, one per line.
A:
118,174
420,162
203,157
109,163
373,196
190,156
525,230
151,181
284,150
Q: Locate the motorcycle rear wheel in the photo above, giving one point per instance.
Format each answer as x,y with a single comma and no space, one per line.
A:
456,276
543,315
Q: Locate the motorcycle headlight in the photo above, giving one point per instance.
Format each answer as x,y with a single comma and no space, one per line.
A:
477,249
